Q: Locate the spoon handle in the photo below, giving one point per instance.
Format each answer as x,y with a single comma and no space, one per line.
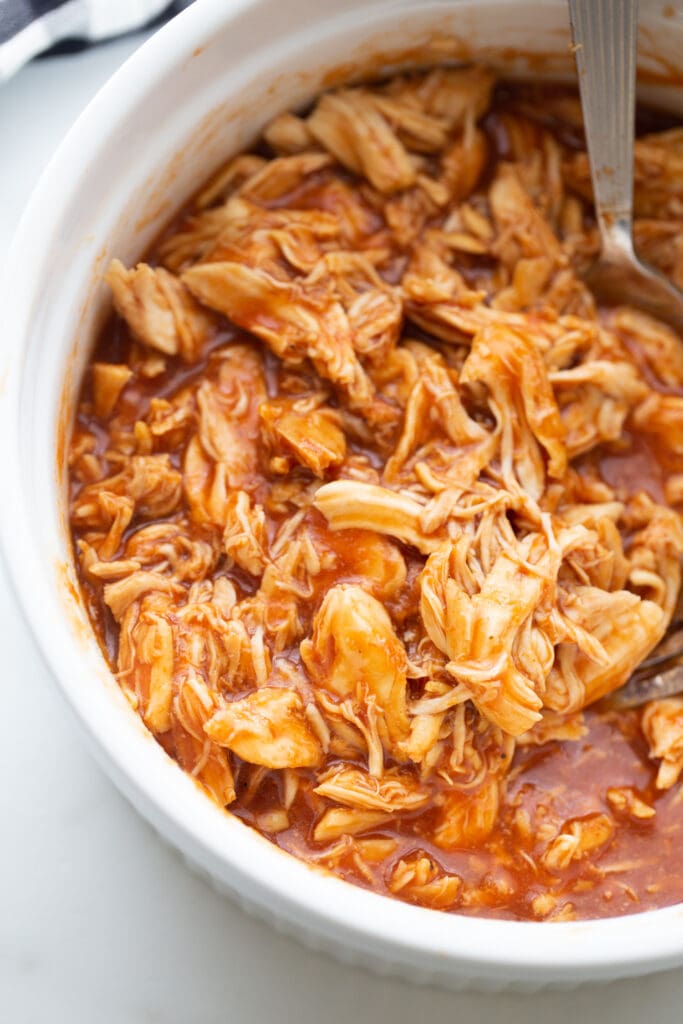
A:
605,35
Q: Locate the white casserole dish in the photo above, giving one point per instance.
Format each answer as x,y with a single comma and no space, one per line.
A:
197,91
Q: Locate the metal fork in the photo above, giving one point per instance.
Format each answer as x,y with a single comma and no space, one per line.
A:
605,35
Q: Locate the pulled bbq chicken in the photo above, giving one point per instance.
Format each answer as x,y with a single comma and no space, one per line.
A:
384,527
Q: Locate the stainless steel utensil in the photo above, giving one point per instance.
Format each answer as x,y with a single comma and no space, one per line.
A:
605,34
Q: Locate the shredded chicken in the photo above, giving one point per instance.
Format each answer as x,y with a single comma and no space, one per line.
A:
420,880
663,727
370,499
578,839
159,310
267,727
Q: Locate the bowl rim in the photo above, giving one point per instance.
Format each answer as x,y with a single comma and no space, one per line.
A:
316,902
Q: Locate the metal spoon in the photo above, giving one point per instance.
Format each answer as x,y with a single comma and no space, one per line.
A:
605,35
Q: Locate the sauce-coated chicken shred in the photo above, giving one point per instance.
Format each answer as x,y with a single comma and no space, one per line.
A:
371,503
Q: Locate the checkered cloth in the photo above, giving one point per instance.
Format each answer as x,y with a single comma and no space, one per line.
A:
28,27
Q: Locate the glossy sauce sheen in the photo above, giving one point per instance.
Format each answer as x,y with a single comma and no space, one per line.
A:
642,867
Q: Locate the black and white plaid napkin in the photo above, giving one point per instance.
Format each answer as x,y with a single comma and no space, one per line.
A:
29,27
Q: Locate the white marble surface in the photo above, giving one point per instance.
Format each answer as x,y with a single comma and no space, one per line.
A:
99,922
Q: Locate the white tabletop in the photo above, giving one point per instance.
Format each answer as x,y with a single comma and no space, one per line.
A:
100,923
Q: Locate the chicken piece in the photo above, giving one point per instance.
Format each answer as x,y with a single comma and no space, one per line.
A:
449,472
354,787
456,505
457,317
112,512
121,595
673,490
377,563
146,658
424,746
345,821
229,177
435,413
351,128
454,94
354,653
537,156
624,800
278,177
579,838
159,310
294,321
347,505
150,481
661,416
212,640
662,723
430,278
195,239
615,379
420,880
275,240
172,547
528,248
590,418
553,727
518,220
286,584
435,397
229,413
94,568
170,421
417,130
467,817
626,629
299,430
375,319
524,405
243,231
463,163
206,488
375,850
660,243
406,213
595,399
288,134
355,556
655,551
224,456
108,381
245,538
193,705
283,239
483,628
355,215
148,485
396,375
652,342
267,727
599,559
474,221
476,748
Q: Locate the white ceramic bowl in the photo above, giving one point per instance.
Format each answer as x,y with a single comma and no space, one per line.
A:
199,90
